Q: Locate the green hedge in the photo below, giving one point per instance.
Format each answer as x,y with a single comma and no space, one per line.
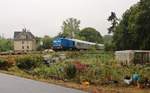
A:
70,71
29,62
4,64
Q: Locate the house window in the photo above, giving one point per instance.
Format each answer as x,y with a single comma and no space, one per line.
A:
22,42
27,47
22,47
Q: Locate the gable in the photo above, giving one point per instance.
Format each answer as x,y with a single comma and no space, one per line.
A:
23,36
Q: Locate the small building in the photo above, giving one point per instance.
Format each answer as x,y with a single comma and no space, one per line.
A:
128,57
24,41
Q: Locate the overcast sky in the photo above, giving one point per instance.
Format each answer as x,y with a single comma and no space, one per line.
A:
45,17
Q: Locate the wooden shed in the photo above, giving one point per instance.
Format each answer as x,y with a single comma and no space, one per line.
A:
133,56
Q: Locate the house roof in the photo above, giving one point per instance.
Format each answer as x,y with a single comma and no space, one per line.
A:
24,35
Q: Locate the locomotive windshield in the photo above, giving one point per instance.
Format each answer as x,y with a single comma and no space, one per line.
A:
57,42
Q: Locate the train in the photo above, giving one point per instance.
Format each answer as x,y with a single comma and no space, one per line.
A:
74,44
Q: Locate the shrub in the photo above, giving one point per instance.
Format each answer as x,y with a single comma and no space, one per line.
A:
11,60
29,62
44,71
80,67
4,64
73,54
48,72
70,71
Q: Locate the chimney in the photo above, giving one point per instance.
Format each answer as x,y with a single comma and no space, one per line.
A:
24,30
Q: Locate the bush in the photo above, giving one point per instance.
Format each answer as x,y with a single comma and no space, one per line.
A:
73,54
70,71
11,60
80,67
4,64
48,72
44,71
29,62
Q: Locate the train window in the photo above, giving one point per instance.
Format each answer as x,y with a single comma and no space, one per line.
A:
73,43
80,44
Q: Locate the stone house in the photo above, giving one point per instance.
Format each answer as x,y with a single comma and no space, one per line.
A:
24,41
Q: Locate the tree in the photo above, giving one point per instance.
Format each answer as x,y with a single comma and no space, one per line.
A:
133,30
70,28
5,44
143,25
109,46
114,21
47,42
91,35
125,35
39,43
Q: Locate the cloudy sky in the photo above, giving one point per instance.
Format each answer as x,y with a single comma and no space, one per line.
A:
45,17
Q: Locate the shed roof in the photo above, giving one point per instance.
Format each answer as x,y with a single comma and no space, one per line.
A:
133,51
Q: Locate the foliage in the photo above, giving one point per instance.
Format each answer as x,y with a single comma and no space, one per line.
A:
11,60
39,43
80,67
91,35
5,45
93,49
5,64
29,62
70,71
44,71
47,42
98,68
73,54
44,43
109,46
2,63
114,21
133,30
70,28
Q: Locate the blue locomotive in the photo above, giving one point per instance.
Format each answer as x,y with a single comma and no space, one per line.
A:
74,44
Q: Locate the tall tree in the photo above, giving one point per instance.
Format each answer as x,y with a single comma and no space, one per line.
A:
71,27
109,46
143,25
91,35
6,44
39,43
47,42
114,21
133,30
